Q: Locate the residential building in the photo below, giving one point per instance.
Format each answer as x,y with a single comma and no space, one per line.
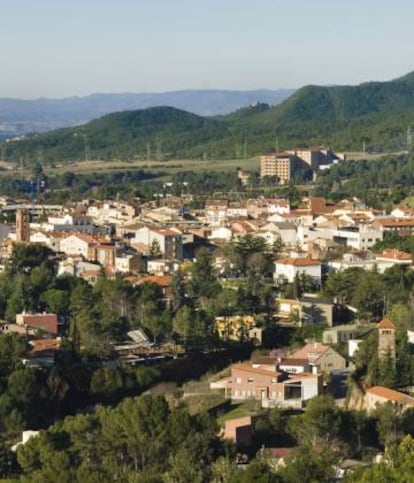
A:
360,237
321,357
286,269
45,322
282,165
216,211
378,395
343,333
168,240
272,387
402,226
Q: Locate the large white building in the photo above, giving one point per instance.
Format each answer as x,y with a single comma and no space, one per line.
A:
360,237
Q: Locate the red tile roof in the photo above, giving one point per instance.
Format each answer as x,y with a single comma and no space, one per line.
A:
385,324
395,255
254,370
389,394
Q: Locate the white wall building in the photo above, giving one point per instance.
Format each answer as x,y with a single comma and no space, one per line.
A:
288,268
360,237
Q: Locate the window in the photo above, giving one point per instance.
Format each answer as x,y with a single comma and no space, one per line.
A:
238,380
250,380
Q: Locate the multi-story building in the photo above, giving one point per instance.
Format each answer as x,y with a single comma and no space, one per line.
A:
360,237
271,387
169,241
282,165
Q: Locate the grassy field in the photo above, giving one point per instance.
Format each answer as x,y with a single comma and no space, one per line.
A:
168,167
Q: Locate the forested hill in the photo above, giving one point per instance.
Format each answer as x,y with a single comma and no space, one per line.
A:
377,114
154,132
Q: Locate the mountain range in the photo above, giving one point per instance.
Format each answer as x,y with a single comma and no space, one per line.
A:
376,114
18,116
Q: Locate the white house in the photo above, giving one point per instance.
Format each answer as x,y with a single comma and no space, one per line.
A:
221,233
76,245
287,269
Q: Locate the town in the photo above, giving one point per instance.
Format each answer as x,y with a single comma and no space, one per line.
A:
292,326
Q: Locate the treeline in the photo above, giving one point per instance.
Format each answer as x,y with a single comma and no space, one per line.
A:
147,439
379,183
74,186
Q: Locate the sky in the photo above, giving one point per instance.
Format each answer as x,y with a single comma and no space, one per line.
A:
61,48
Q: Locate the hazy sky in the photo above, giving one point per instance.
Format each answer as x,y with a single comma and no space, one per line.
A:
59,48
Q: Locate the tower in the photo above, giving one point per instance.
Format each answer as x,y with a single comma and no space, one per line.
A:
386,339
22,226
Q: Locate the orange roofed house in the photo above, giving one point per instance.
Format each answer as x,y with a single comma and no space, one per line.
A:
91,248
320,356
45,322
288,268
380,395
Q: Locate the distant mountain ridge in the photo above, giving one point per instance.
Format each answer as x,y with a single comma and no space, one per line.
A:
376,115
38,115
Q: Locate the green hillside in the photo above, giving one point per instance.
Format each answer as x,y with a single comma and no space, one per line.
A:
154,132
374,113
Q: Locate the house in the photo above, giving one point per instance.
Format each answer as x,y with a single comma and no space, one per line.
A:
272,387
45,322
402,226
368,261
223,233
381,395
216,211
129,263
161,266
169,241
77,244
320,356
42,354
388,258
343,333
355,259
286,269
308,311
293,366
402,212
